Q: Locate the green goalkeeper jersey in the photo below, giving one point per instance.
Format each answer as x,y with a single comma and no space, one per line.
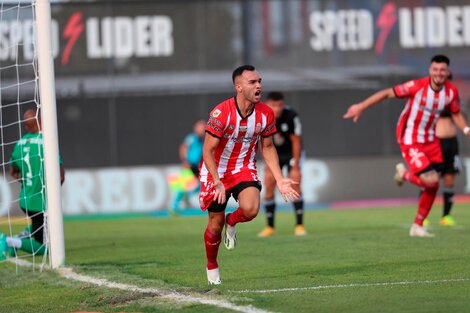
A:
28,157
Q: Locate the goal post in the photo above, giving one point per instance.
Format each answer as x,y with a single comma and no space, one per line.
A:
45,59
29,156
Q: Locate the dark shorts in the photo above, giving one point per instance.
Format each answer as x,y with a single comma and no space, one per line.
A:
234,192
283,164
450,156
284,161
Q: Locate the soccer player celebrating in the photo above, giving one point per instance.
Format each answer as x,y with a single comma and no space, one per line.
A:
416,131
234,129
288,143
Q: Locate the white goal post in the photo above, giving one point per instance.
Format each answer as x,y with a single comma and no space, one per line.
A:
27,83
55,227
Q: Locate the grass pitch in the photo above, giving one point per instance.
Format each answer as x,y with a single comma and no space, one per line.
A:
350,261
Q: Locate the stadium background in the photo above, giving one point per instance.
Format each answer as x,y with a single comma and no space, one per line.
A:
133,76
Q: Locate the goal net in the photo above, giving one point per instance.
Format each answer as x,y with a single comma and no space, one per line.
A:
26,145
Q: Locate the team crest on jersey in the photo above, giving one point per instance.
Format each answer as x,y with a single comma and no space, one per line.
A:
258,128
231,127
216,113
284,127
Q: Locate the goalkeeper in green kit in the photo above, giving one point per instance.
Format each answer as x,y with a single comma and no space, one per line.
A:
27,167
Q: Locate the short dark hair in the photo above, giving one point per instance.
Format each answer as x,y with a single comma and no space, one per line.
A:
440,58
275,96
239,71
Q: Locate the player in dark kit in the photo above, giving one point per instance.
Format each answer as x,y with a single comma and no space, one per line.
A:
288,143
447,133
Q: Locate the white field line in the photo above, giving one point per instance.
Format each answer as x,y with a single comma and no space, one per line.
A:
419,282
165,294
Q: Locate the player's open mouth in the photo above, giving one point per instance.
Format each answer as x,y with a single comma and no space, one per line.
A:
257,93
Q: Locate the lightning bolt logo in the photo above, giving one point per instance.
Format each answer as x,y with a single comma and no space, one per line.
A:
385,21
72,32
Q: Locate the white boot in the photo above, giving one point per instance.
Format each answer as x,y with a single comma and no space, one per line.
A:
230,238
213,276
400,169
419,231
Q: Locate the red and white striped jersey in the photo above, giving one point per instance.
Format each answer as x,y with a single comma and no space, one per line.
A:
417,123
238,136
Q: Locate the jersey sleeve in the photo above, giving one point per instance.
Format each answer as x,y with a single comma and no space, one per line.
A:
270,128
296,125
216,123
407,89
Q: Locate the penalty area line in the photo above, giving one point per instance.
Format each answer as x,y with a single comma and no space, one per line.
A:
397,283
171,295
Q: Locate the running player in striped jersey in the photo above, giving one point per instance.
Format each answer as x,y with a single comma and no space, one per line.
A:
416,131
234,129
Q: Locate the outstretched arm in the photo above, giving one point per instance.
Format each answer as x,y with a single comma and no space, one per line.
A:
355,110
272,161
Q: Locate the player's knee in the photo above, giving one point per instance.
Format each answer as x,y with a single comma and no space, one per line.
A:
449,181
216,223
269,187
251,212
430,179
432,182
269,195
295,176
216,228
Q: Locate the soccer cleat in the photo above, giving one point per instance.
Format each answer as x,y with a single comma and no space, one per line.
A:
26,232
230,238
3,246
268,231
447,221
419,231
400,170
300,230
213,276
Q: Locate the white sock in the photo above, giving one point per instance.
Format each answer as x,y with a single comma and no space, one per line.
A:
14,242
